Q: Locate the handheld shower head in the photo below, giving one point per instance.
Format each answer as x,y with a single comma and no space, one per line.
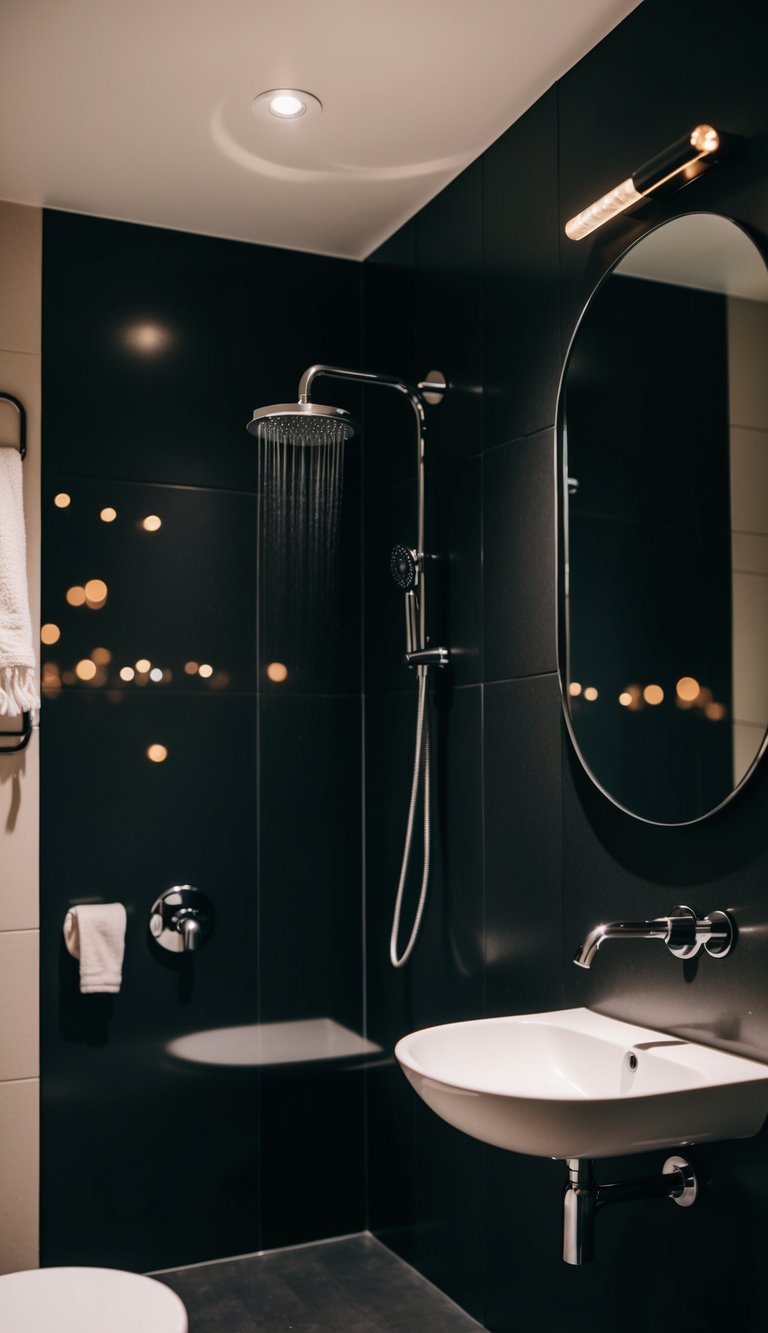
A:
302,424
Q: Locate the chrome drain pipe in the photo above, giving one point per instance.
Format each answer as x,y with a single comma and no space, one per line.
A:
583,1198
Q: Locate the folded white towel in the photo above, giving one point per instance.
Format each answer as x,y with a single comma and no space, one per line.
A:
95,933
18,687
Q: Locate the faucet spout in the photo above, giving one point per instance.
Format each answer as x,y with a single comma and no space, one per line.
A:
657,929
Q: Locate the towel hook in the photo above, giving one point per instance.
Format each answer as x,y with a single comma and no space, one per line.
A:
26,718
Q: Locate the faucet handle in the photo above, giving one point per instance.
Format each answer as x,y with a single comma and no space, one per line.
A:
182,919
688,933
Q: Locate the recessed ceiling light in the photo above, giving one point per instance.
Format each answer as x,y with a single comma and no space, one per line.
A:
286,104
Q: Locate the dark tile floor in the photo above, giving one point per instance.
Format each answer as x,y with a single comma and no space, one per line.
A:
355,1285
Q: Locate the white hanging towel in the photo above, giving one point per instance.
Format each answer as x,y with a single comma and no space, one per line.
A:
18,687
95,933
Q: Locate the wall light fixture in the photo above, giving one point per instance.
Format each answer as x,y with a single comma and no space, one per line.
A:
678,164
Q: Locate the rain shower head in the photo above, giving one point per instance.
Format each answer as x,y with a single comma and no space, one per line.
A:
302,424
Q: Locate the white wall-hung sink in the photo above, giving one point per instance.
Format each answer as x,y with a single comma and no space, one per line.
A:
575,1084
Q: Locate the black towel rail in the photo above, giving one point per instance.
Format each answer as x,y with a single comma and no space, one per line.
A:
25,734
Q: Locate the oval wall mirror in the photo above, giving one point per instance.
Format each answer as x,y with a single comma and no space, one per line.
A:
663,436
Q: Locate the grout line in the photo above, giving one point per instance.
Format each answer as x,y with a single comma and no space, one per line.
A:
260,1254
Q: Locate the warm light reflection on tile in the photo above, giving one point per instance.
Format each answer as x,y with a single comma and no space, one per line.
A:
96,592
278,672
108,514
147,337
50,634
76,596
62,500
157,753
688,689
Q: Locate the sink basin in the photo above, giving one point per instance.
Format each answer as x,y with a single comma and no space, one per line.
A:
573,1083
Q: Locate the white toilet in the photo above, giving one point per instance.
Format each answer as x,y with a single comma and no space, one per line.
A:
88,1300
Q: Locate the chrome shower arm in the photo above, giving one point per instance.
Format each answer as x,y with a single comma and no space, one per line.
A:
434,388
367,377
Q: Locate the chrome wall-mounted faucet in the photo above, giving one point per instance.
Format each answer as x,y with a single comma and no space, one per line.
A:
684,932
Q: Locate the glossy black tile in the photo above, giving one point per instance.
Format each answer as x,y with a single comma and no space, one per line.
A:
158,346
448,1241
449,313
312,1154
455,577
523,839
150,588
390,518
120,826
448,960
388,443
518,559
310,927
521,276
391,1162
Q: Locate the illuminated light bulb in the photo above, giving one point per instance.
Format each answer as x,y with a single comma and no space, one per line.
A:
590,693
108,515
142,665
687,689
85,669
574,688
624,196
277,671
76,596
287,105
152,523
62,500
653,694
191,668
625,699
156,674
127,673
50,634
205,670
101,656
157,754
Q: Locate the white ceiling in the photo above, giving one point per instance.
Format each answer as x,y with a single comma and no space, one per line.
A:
141,109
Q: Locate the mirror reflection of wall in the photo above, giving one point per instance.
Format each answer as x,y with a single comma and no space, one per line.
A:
748,399
664,429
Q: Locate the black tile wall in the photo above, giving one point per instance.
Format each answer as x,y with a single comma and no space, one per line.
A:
157,348
485,265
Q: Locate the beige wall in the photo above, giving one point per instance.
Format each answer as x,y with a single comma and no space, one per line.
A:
20,281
